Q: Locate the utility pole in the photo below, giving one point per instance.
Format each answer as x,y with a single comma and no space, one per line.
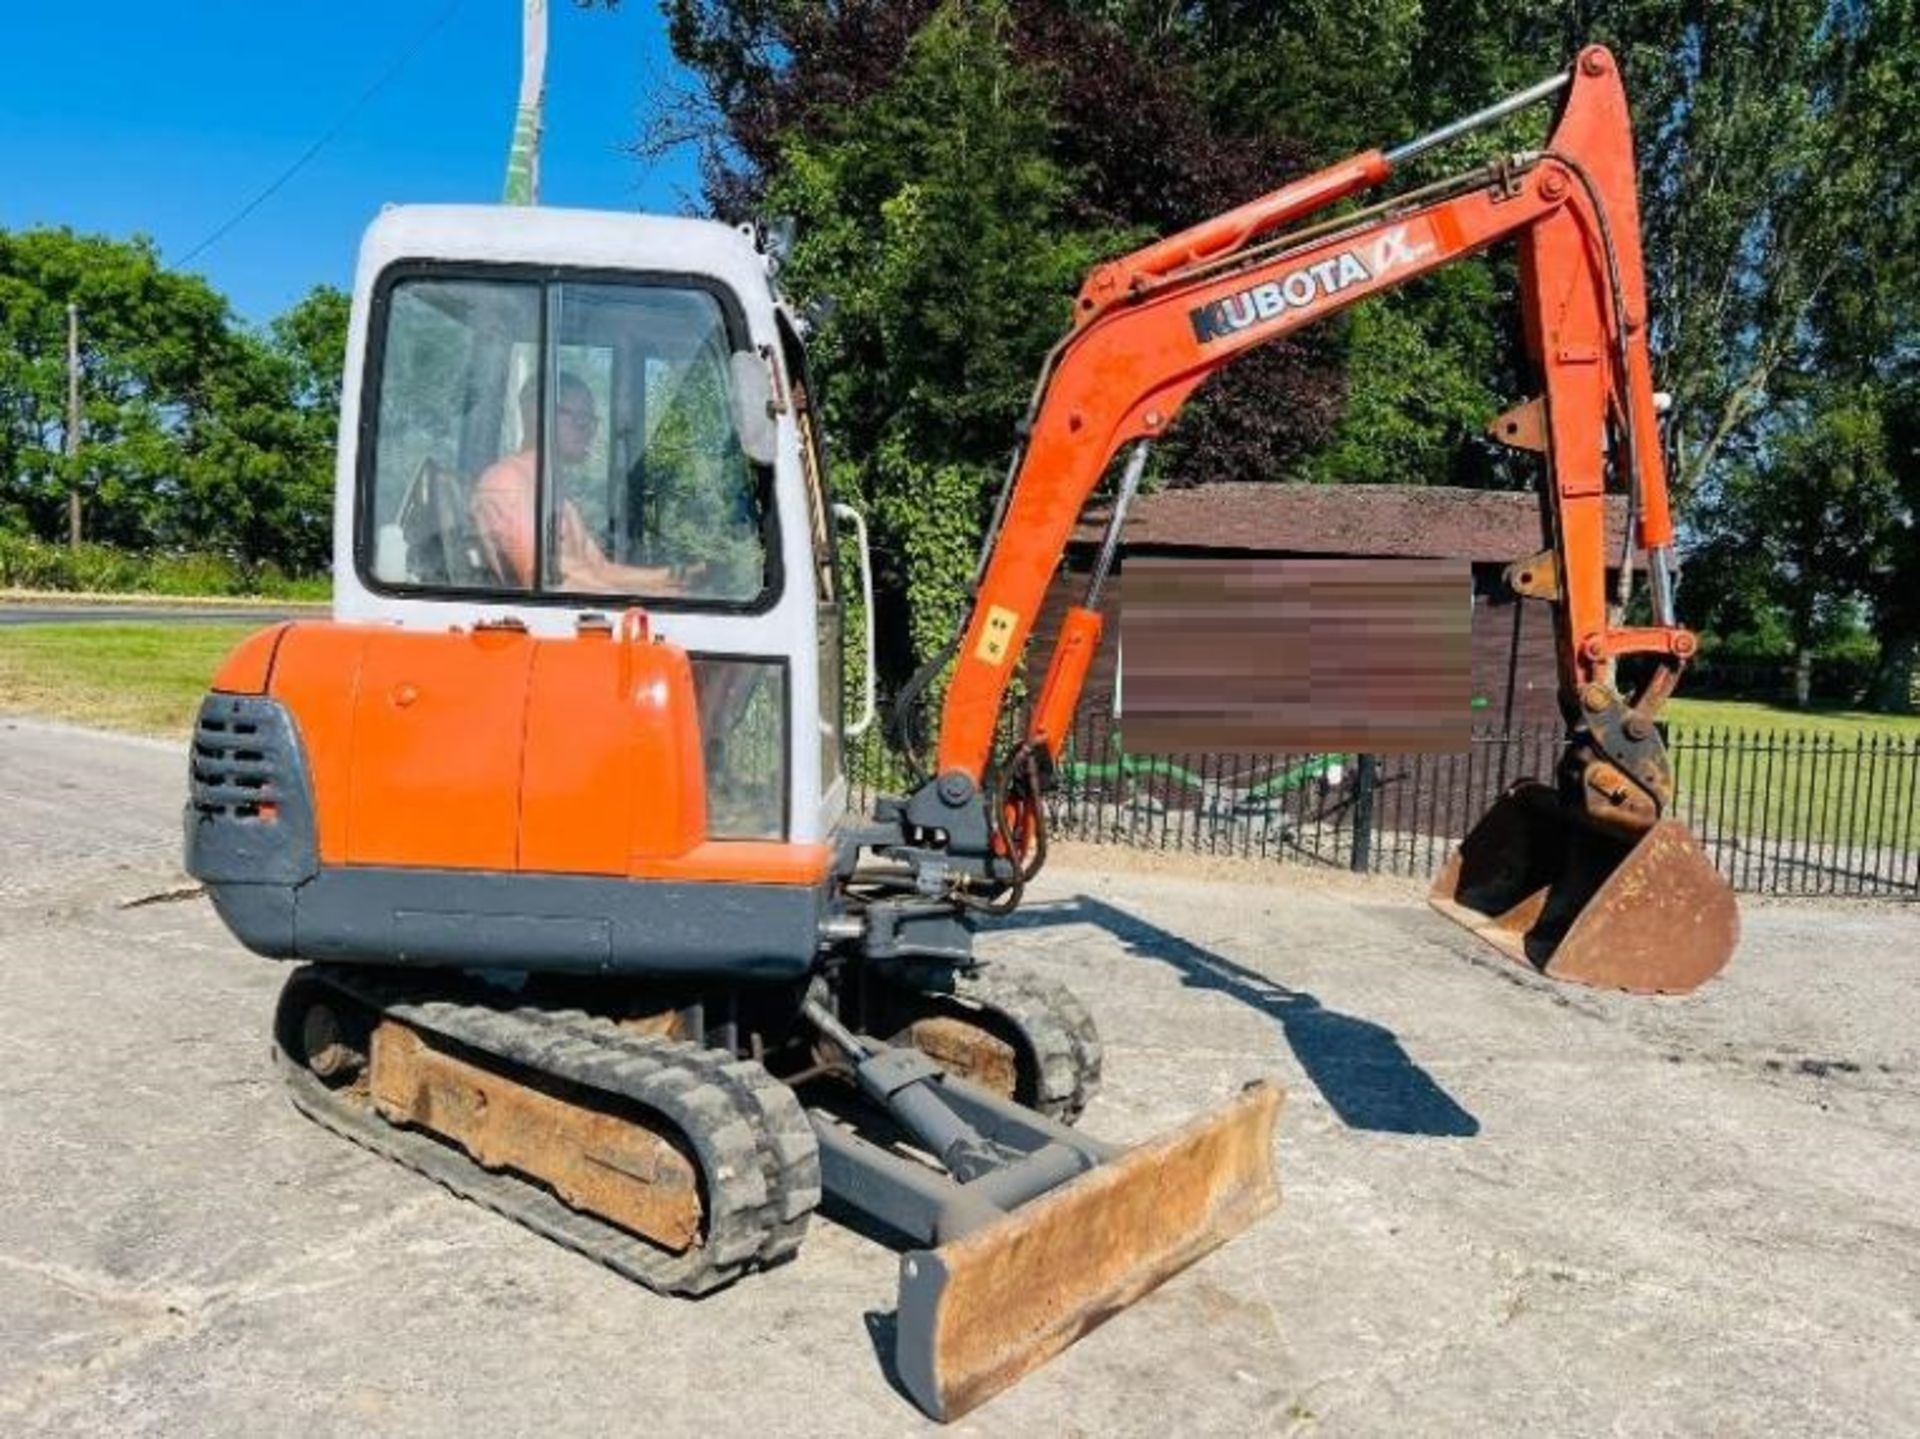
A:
523,155
73,425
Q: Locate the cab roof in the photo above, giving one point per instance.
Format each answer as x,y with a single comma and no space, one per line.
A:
543,235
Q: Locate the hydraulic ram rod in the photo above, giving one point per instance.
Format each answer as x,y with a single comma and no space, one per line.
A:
1479,119
1224,235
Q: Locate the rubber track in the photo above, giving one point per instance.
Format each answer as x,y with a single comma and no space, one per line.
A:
1056,1026
789,1153
750,1137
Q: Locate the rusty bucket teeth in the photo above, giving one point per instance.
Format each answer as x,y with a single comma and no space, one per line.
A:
982,1310
1649,915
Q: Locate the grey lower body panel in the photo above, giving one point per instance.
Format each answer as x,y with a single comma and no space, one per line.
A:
581,924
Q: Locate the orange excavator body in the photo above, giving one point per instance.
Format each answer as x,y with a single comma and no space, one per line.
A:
564,845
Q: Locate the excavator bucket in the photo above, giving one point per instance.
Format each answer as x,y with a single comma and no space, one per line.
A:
1649,915
982,1310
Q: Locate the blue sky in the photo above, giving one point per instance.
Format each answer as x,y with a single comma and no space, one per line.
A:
124,116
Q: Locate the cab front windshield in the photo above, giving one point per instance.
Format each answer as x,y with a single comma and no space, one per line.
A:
562,438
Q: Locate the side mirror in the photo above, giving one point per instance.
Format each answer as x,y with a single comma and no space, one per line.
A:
778,240
753,407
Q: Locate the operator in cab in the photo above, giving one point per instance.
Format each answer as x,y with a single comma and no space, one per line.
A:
504,502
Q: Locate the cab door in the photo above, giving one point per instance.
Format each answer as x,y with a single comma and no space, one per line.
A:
830,610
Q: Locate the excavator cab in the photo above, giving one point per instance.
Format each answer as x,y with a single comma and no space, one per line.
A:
544,445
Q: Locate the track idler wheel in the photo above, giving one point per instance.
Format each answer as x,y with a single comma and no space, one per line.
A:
1023,1037
321,1030
1648,914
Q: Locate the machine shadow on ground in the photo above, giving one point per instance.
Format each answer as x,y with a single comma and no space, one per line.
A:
883,1328
1358,1066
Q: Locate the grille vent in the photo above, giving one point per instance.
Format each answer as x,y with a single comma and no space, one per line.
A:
236,766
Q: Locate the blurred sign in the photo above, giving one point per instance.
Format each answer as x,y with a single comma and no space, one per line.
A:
1261,655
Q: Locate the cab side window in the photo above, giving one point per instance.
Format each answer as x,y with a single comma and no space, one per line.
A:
450,353
561,438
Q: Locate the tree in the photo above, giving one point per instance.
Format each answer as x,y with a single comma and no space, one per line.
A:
1777,174
1799,535
939,222
313,338
1791,293
1779,205
198,433
1893,588
151,341
956,169
254,475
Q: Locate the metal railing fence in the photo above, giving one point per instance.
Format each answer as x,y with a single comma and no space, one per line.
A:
1789,813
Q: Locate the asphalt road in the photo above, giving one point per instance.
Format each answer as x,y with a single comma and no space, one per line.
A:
48,614
1508,1208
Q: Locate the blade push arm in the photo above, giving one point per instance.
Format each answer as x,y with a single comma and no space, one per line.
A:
1152,327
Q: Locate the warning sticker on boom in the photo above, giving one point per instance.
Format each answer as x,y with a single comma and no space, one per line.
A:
996,635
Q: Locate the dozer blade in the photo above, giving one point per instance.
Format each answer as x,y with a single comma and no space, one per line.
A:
982,1310
1649,915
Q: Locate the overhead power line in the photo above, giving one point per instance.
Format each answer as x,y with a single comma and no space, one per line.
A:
386,78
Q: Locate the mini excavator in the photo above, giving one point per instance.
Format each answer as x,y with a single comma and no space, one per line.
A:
553,815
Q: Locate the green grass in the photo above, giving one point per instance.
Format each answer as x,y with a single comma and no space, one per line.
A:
143,678
1828,777
1690,716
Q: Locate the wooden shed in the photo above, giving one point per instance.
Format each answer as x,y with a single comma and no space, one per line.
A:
1513,679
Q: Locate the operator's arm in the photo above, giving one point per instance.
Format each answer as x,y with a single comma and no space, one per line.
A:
503,515
584,566
502,509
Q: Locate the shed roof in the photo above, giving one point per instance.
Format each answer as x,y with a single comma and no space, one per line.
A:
1399,521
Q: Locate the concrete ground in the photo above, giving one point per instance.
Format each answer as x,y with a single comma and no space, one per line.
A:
1507,1207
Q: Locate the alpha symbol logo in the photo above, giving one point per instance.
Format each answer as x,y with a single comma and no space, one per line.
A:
1302,288
1391,251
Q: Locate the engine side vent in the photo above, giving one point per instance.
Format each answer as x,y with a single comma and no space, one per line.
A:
249,799
236,767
